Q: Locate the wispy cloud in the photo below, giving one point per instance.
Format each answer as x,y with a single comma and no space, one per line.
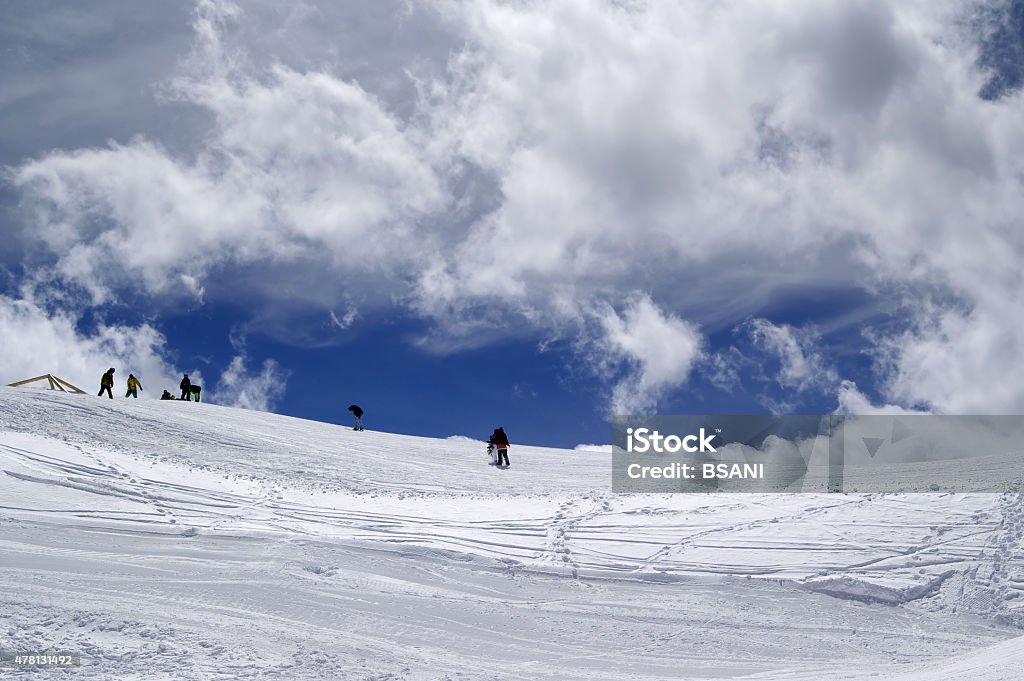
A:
801,366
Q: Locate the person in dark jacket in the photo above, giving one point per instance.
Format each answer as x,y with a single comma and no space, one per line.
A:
133,387
107,383
499,441
196,389
358,413
186,389
167,395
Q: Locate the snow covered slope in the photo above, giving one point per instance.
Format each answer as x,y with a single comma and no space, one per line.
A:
180,540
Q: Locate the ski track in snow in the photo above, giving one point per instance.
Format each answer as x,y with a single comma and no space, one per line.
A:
181,540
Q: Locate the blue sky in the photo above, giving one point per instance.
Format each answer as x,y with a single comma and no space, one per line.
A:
545,395
469,213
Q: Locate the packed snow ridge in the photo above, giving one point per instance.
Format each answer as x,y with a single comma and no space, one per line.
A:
181,540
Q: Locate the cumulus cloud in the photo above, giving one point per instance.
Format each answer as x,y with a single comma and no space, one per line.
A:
961,361
240,387
299,167
658,350
558,156
875,137
39,338
37,341
661,143
853,401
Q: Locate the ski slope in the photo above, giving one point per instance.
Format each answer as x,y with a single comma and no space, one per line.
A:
176,540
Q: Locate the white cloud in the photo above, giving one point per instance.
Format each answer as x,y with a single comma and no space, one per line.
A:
962,362
298,167
563,155
801,367
853,401
722,369
658,349
37,341
346,320
239,387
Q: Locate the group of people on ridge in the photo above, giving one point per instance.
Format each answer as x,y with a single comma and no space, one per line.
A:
188,390
497,443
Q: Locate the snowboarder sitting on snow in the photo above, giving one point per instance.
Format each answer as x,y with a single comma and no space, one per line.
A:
133,387
186,389
358,413
107,383
167,396
499,441
196,389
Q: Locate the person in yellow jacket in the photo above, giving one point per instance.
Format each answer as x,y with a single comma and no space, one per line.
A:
133,387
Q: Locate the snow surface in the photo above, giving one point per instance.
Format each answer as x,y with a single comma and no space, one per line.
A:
176,540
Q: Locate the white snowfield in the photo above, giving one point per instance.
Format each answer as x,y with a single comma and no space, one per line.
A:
169,540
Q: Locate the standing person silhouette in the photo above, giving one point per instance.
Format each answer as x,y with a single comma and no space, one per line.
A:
186,389
107,383
358,413
499,440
